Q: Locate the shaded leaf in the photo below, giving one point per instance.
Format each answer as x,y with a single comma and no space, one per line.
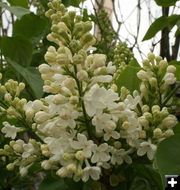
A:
20,3
166,3
50,183
31,26
16,10
31,76
17,48
168,155
73,3
128,78
160,24
176,129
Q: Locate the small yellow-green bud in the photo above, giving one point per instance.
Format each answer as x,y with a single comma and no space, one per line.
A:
71,167
157,132
10,167
79,155
155,108
142,134
148,116
151,56
168,133
117,144
74,99
59,99
82,75
125,125
145,108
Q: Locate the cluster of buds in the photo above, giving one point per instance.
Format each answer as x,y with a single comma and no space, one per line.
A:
12,104
122,55
21,154
157,76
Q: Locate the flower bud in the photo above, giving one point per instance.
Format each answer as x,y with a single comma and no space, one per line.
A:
69,83
142,134
59,99
168,122
145,108
71,167
168,133
153,82
23,171
79,155
18,148
62,172
151,56
162,64
114,87
155,108
8,97
148,116
45,164
142,75
157,132
82,75
67,156
117,144
44,68
74,100
10,167
37,105
41,117
125,125
171,69
143,121
29,114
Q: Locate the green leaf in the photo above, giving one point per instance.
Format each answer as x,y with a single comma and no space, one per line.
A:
17,48
176,129
140,183
149,173
16,10
31,76
50,183
73,3
31,26
20,3
167,156
128,78
160,24
166,3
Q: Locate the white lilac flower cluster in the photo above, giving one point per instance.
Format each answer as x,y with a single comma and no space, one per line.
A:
84,126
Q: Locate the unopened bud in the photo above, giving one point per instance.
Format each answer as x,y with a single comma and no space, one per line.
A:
79,155
157,132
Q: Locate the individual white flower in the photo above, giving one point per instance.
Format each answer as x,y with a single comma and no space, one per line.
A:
147,147
131,102
111,68
100,120
91,171
10,130
101,153
97,99
109,134
169,78
119,156
29,149
84,144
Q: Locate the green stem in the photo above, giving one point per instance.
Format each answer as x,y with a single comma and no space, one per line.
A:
170,95
79,85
